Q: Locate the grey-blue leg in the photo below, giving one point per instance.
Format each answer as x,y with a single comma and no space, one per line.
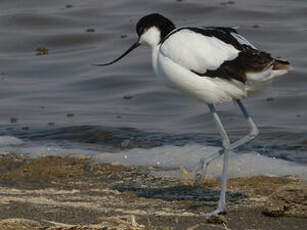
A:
201,170
226,146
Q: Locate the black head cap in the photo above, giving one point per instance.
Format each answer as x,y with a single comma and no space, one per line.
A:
162,23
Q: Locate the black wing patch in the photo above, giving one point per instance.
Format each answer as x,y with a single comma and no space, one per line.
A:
222,33
248,61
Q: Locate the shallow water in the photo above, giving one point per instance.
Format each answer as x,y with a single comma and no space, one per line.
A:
87,106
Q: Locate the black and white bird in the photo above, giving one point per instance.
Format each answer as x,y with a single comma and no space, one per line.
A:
213,65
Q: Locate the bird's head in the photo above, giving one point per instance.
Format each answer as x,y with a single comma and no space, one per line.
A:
151,29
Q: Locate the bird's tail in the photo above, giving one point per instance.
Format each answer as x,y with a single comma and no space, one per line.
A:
280,67
259,81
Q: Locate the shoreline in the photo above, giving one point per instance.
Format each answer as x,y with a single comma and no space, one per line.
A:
69,193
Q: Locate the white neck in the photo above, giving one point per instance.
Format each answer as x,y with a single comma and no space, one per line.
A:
151,37
155,51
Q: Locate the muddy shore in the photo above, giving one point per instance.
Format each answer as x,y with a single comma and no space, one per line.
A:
70,193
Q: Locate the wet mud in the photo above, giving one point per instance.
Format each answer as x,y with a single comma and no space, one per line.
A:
72,193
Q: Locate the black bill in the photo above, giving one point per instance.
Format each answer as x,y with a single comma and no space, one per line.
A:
135,45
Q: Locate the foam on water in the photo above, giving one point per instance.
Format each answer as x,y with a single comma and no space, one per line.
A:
167,156
10,141
240,165
34,151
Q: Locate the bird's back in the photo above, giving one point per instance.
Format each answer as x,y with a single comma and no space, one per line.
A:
227,62
220,52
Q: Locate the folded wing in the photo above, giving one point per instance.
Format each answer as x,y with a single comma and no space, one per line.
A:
215,52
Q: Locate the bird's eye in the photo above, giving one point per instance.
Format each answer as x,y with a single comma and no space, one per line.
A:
143,30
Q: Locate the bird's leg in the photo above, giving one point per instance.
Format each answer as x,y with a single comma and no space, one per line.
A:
200,171
226,146
253,131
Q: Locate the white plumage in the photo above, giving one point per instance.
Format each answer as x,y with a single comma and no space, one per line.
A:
196,51
187,50
205,89
242,40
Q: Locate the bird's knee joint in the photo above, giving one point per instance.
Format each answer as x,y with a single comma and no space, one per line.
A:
254,133
227,146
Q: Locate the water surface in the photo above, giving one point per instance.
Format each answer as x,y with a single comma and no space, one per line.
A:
60,101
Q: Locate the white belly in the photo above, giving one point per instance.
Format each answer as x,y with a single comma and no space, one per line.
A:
206,89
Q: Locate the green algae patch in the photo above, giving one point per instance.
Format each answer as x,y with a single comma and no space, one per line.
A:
41,51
